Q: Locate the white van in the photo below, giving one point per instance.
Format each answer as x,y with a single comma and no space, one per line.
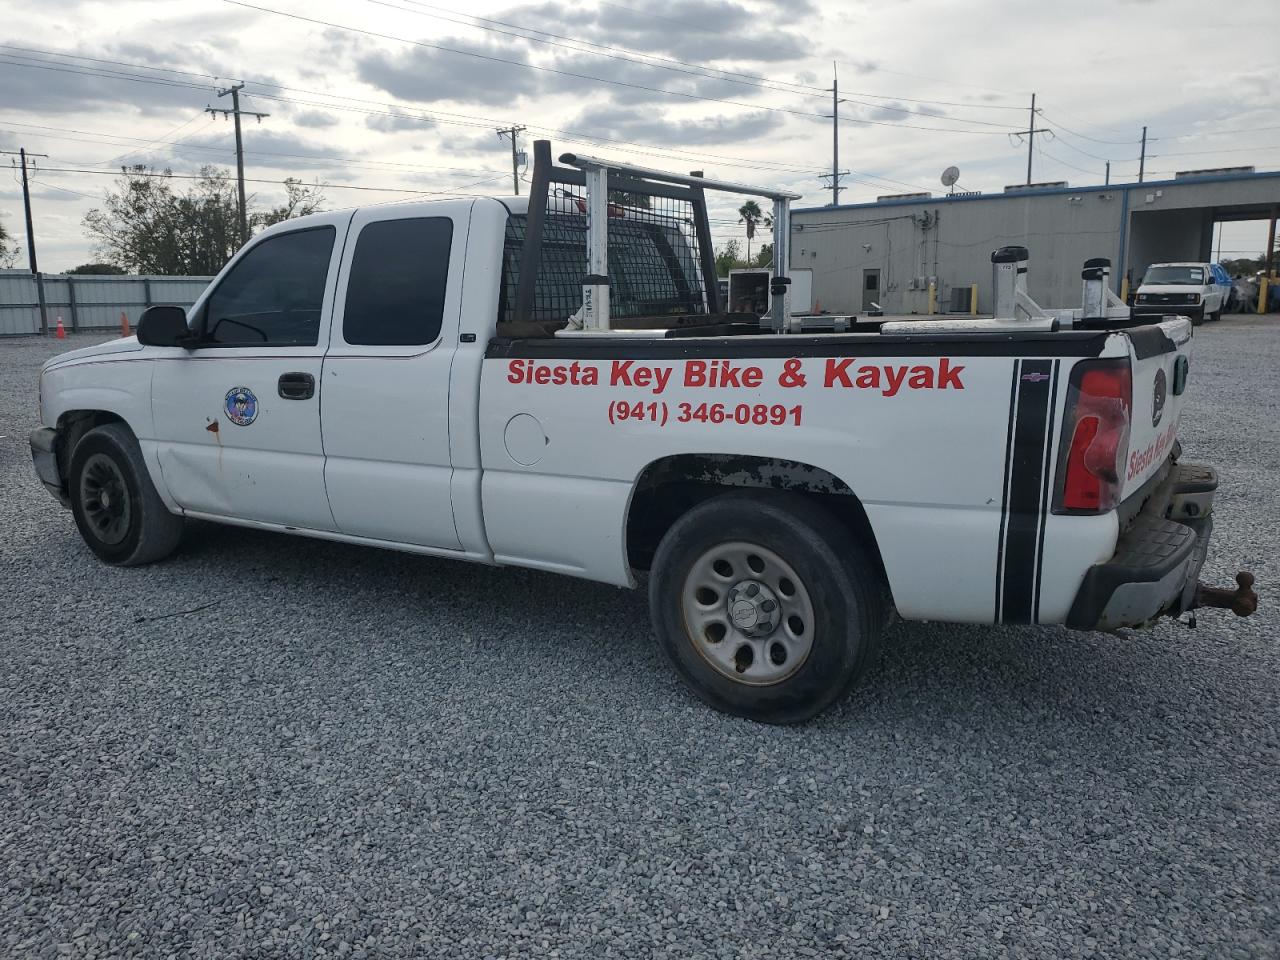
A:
1188,289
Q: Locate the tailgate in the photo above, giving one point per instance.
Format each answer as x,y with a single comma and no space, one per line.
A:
1160,357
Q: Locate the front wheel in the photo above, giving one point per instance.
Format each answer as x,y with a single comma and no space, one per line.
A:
765,605
1216,315
117,509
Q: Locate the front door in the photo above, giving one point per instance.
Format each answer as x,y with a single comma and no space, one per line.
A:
237,420
870,289
385,405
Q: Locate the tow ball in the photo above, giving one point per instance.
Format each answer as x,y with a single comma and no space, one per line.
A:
1241,601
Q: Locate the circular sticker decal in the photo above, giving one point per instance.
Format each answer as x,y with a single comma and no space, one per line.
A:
241,406
1158,396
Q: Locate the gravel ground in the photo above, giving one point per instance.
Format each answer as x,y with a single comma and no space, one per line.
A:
358,753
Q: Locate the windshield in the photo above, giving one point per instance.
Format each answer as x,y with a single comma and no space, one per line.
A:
1188,276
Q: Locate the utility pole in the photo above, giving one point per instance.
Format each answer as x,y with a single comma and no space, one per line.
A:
235,113
836,173
22,155
1031,137
1108,181
1030,134
513,132
1142,157
835,136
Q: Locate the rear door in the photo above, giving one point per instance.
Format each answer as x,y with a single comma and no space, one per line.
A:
238,419
385,405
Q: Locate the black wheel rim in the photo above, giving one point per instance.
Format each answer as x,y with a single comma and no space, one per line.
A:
104,499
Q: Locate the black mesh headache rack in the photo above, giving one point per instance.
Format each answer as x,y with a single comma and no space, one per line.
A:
613,248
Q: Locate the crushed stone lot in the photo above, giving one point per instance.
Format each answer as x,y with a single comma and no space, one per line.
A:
357,753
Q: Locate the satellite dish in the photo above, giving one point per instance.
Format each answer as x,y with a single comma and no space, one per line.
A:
950,176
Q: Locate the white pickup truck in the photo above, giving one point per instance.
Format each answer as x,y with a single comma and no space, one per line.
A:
551,383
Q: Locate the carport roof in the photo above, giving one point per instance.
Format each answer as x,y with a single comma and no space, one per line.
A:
1046,192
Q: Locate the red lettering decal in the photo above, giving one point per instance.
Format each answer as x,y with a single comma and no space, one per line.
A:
921,378
895,383
949,376
621,373
837,373
695,373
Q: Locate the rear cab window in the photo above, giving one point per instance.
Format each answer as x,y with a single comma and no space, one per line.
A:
396,289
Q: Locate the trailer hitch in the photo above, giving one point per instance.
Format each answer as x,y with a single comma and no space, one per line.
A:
1241,601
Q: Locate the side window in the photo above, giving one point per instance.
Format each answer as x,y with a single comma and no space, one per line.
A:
274,295
395,295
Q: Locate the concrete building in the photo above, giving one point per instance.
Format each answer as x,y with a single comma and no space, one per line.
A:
889,251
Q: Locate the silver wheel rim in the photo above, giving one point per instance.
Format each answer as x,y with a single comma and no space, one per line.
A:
104,499
748,613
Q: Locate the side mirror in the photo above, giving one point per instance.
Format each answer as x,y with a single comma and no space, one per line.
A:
164,327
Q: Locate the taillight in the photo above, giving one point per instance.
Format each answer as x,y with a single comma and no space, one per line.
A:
1096,435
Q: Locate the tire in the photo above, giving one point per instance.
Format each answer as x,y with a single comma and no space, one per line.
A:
1216,315
802,655
117,510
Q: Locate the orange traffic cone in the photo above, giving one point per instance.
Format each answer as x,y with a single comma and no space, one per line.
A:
61,332
124,324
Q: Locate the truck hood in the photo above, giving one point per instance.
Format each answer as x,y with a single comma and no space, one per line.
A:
123,345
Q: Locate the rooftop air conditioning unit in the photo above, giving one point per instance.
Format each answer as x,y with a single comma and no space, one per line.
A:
1047,185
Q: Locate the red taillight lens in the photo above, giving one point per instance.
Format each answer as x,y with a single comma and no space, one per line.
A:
1096,435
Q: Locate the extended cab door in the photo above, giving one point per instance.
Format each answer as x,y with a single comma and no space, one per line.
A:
238,418
385,404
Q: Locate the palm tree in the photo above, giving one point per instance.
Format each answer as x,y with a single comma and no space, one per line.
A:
751,214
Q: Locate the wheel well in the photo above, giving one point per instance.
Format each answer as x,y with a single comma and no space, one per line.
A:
670,487
73,425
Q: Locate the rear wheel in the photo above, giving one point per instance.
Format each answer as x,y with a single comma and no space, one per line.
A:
117,509
765,605
1216,315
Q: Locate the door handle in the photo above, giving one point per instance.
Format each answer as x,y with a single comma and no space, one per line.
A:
297,386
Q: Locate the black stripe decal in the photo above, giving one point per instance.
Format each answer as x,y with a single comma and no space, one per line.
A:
605,347
1025,482
1004,495
1045,492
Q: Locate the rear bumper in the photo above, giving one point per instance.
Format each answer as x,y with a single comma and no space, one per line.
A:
1156,567
44,456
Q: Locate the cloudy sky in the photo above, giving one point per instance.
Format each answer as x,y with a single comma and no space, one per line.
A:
387,100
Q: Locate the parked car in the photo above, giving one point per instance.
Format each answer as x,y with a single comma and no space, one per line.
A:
1187,289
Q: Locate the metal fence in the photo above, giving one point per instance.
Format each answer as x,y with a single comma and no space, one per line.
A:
86,301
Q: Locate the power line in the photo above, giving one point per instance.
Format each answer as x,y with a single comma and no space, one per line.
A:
399,112
582,76
230,179
1083,136
466,120
90,137
668,63
951,83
